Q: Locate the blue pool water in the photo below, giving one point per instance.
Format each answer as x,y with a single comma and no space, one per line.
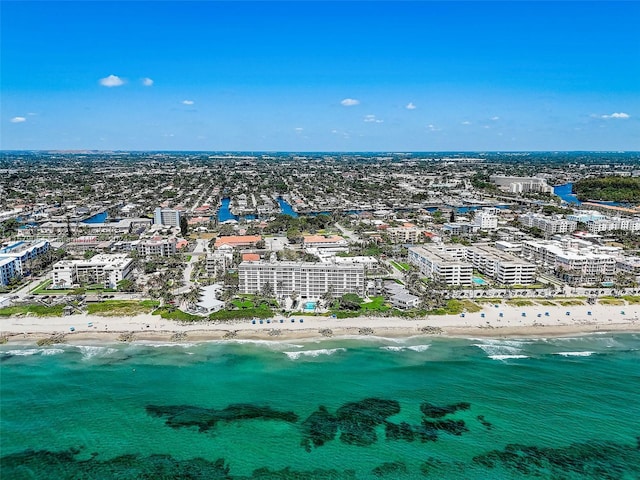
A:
479,281
310,306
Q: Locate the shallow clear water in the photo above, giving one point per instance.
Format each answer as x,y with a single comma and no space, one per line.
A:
576,400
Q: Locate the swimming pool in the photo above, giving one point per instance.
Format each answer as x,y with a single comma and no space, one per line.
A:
479,281
310,306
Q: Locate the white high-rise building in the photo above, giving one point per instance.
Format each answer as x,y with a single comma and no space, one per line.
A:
166,216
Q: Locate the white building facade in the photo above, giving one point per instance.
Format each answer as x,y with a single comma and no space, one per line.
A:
442,264
308,279
105,270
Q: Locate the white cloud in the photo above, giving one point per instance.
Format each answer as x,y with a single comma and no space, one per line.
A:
495,118
147,82
372,119
349,102
410,106
18,120
299,129
188,102
616,115
111,81
433,128
466,122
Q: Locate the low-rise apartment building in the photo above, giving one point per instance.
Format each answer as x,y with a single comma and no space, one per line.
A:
238,241
550,225
405,234
103,269
9,269
15,258
156,246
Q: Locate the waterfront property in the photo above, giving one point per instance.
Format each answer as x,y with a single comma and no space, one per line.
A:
308,279
15,258
504,268
442,263
103,269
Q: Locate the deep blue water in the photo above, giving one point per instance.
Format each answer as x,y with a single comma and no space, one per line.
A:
286,208
564,192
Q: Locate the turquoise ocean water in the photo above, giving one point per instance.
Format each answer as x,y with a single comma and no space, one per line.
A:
563,408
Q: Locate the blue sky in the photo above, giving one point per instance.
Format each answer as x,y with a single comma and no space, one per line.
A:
320,76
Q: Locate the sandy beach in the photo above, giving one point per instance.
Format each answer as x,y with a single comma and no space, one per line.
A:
493,321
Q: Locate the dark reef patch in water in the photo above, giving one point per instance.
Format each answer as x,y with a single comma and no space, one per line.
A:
435,411
454,427
358,420
65,465
391,469
318,428
594,460
180,416
288,474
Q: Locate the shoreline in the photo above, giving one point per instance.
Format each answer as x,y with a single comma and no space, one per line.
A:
491,322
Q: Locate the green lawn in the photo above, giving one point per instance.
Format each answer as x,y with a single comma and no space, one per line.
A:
375,305
38,310
455,307
401,266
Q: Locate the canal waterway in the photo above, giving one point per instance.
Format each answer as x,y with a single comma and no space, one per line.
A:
565,193
97,218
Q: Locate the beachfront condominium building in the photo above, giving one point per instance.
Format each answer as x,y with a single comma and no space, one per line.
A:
307,279
166,216
586,264
550,225
9,269
17,257
104,270
504,268
442,263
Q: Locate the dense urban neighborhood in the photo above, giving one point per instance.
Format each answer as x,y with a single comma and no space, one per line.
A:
218,236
